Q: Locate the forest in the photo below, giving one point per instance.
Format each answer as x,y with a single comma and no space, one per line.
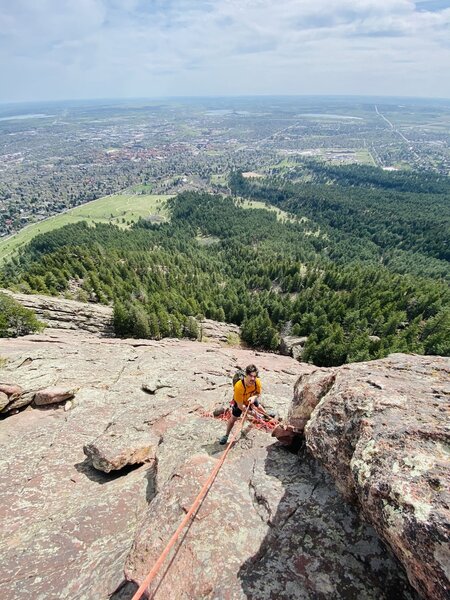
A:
367,219
361,269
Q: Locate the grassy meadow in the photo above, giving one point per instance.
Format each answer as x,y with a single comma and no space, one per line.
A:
281,214
118,209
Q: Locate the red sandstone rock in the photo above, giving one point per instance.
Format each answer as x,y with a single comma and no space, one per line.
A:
19,401
4,400
272,516
122,444
53,395
285,434
381,430
308,391
10,389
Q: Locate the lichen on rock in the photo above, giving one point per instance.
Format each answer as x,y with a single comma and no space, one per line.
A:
386,446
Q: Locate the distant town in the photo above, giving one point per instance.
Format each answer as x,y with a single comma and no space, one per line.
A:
57,156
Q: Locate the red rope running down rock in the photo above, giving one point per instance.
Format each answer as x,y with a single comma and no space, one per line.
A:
195,506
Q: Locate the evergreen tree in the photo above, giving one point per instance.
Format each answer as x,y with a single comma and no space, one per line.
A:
436,334
139,322
121,321
191,328
15,320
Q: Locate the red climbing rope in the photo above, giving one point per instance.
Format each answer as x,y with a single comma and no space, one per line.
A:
267,423
260,419
196,504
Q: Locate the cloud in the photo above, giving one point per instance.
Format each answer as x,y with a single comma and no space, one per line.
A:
103,48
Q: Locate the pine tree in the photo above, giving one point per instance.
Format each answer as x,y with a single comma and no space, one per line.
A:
191,328
139,322
153,324
15,320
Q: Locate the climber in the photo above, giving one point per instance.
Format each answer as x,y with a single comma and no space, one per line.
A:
247,391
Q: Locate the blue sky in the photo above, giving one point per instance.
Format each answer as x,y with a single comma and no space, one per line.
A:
56,49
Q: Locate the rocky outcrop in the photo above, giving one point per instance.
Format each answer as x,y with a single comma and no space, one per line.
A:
292,345
381,430
9,396
272,526
67,314
54,395
13,397
59,313
216,331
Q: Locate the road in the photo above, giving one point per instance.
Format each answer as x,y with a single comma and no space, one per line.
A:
395,130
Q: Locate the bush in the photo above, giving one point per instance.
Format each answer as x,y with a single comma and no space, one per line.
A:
15,320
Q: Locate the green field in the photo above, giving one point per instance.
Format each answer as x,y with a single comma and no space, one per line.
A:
281,214
119,209
144,188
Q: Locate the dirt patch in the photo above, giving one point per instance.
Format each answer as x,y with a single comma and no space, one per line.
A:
250,174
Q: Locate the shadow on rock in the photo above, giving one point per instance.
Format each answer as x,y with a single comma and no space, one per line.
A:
125,591
316,546
100,477
213,449
150,476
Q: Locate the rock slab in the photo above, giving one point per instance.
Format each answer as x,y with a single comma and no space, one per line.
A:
68,526
60,313
382,431
273,525
299,540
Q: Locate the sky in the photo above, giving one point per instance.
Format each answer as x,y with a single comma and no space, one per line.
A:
81,49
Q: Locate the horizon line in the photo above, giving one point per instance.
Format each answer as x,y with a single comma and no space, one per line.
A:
215,96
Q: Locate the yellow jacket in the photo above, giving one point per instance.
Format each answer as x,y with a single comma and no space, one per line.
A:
243,392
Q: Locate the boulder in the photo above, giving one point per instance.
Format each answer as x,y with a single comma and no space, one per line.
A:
16,402
381,430
4,400
9,393
53,395
219,410
11,389
292,345
308,391
285,434
122,445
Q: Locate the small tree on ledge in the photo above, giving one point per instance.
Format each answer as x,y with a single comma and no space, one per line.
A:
15,320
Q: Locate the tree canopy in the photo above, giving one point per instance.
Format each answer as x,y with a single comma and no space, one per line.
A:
359,269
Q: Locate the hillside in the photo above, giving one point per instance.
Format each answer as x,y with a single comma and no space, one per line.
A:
359,269
118,209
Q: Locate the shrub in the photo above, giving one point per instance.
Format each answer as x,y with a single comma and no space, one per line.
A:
16,320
